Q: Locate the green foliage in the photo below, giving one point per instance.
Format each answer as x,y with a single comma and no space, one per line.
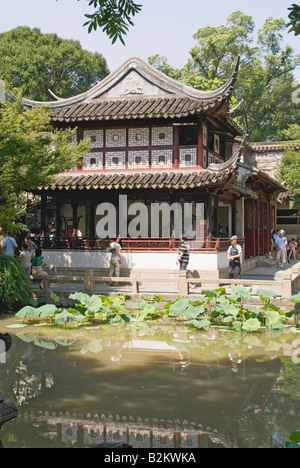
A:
87,309
15,285
294,17
161,63
294,440
265,79
31,153
292,133
113,16
215,308
149,308
289,166
35,62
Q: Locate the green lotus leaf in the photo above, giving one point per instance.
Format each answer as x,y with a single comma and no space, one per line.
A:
252,324
27,311
179,306
272,317
204,323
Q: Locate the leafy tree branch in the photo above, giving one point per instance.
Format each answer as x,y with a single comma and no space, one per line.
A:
113,16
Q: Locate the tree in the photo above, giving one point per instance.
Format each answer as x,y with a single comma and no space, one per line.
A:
161,63
294,19
113,16
265,79
15,285
31,153
290,164
35,62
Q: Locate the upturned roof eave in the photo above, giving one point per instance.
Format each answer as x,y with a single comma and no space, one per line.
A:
171,86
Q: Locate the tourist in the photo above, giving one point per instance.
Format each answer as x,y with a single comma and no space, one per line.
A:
115,260
292,249
276,233
25,258
184,253
38,263
184,256
272,246
281,243
234,254
32,247
9,245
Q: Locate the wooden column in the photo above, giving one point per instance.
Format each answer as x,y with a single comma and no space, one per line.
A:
74,204
43,213
92,217
79,138
216,216
200,146
233,217
209,226
58,204
87,218
176,147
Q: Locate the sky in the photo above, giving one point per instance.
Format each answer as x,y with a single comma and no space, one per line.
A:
164,27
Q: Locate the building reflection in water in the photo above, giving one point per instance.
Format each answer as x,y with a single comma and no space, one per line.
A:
146,393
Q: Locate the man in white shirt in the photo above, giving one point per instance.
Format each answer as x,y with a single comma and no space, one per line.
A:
116,259
234,254
281,243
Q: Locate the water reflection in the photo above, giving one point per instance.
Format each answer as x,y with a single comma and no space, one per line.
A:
155,385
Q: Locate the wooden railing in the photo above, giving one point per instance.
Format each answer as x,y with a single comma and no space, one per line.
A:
285,286
148,244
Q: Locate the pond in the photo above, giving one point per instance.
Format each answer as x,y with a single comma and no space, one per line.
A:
152,385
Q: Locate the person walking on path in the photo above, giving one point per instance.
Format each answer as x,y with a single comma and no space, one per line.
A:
184,253
32,247
9,245
281,243
184,256
272,243
115,260
38,263
25,258
234,254
292,249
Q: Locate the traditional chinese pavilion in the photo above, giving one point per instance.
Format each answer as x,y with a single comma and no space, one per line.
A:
154,139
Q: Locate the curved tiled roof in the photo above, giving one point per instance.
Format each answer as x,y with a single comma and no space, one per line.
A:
159,96
266,146
137,180
171,107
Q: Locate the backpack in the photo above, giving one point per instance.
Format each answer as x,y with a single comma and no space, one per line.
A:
112,249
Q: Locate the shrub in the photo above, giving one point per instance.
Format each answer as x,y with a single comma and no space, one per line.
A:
15,285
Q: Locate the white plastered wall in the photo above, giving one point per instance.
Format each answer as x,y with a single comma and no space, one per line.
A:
142,260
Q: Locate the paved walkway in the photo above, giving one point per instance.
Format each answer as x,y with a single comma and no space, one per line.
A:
272,272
